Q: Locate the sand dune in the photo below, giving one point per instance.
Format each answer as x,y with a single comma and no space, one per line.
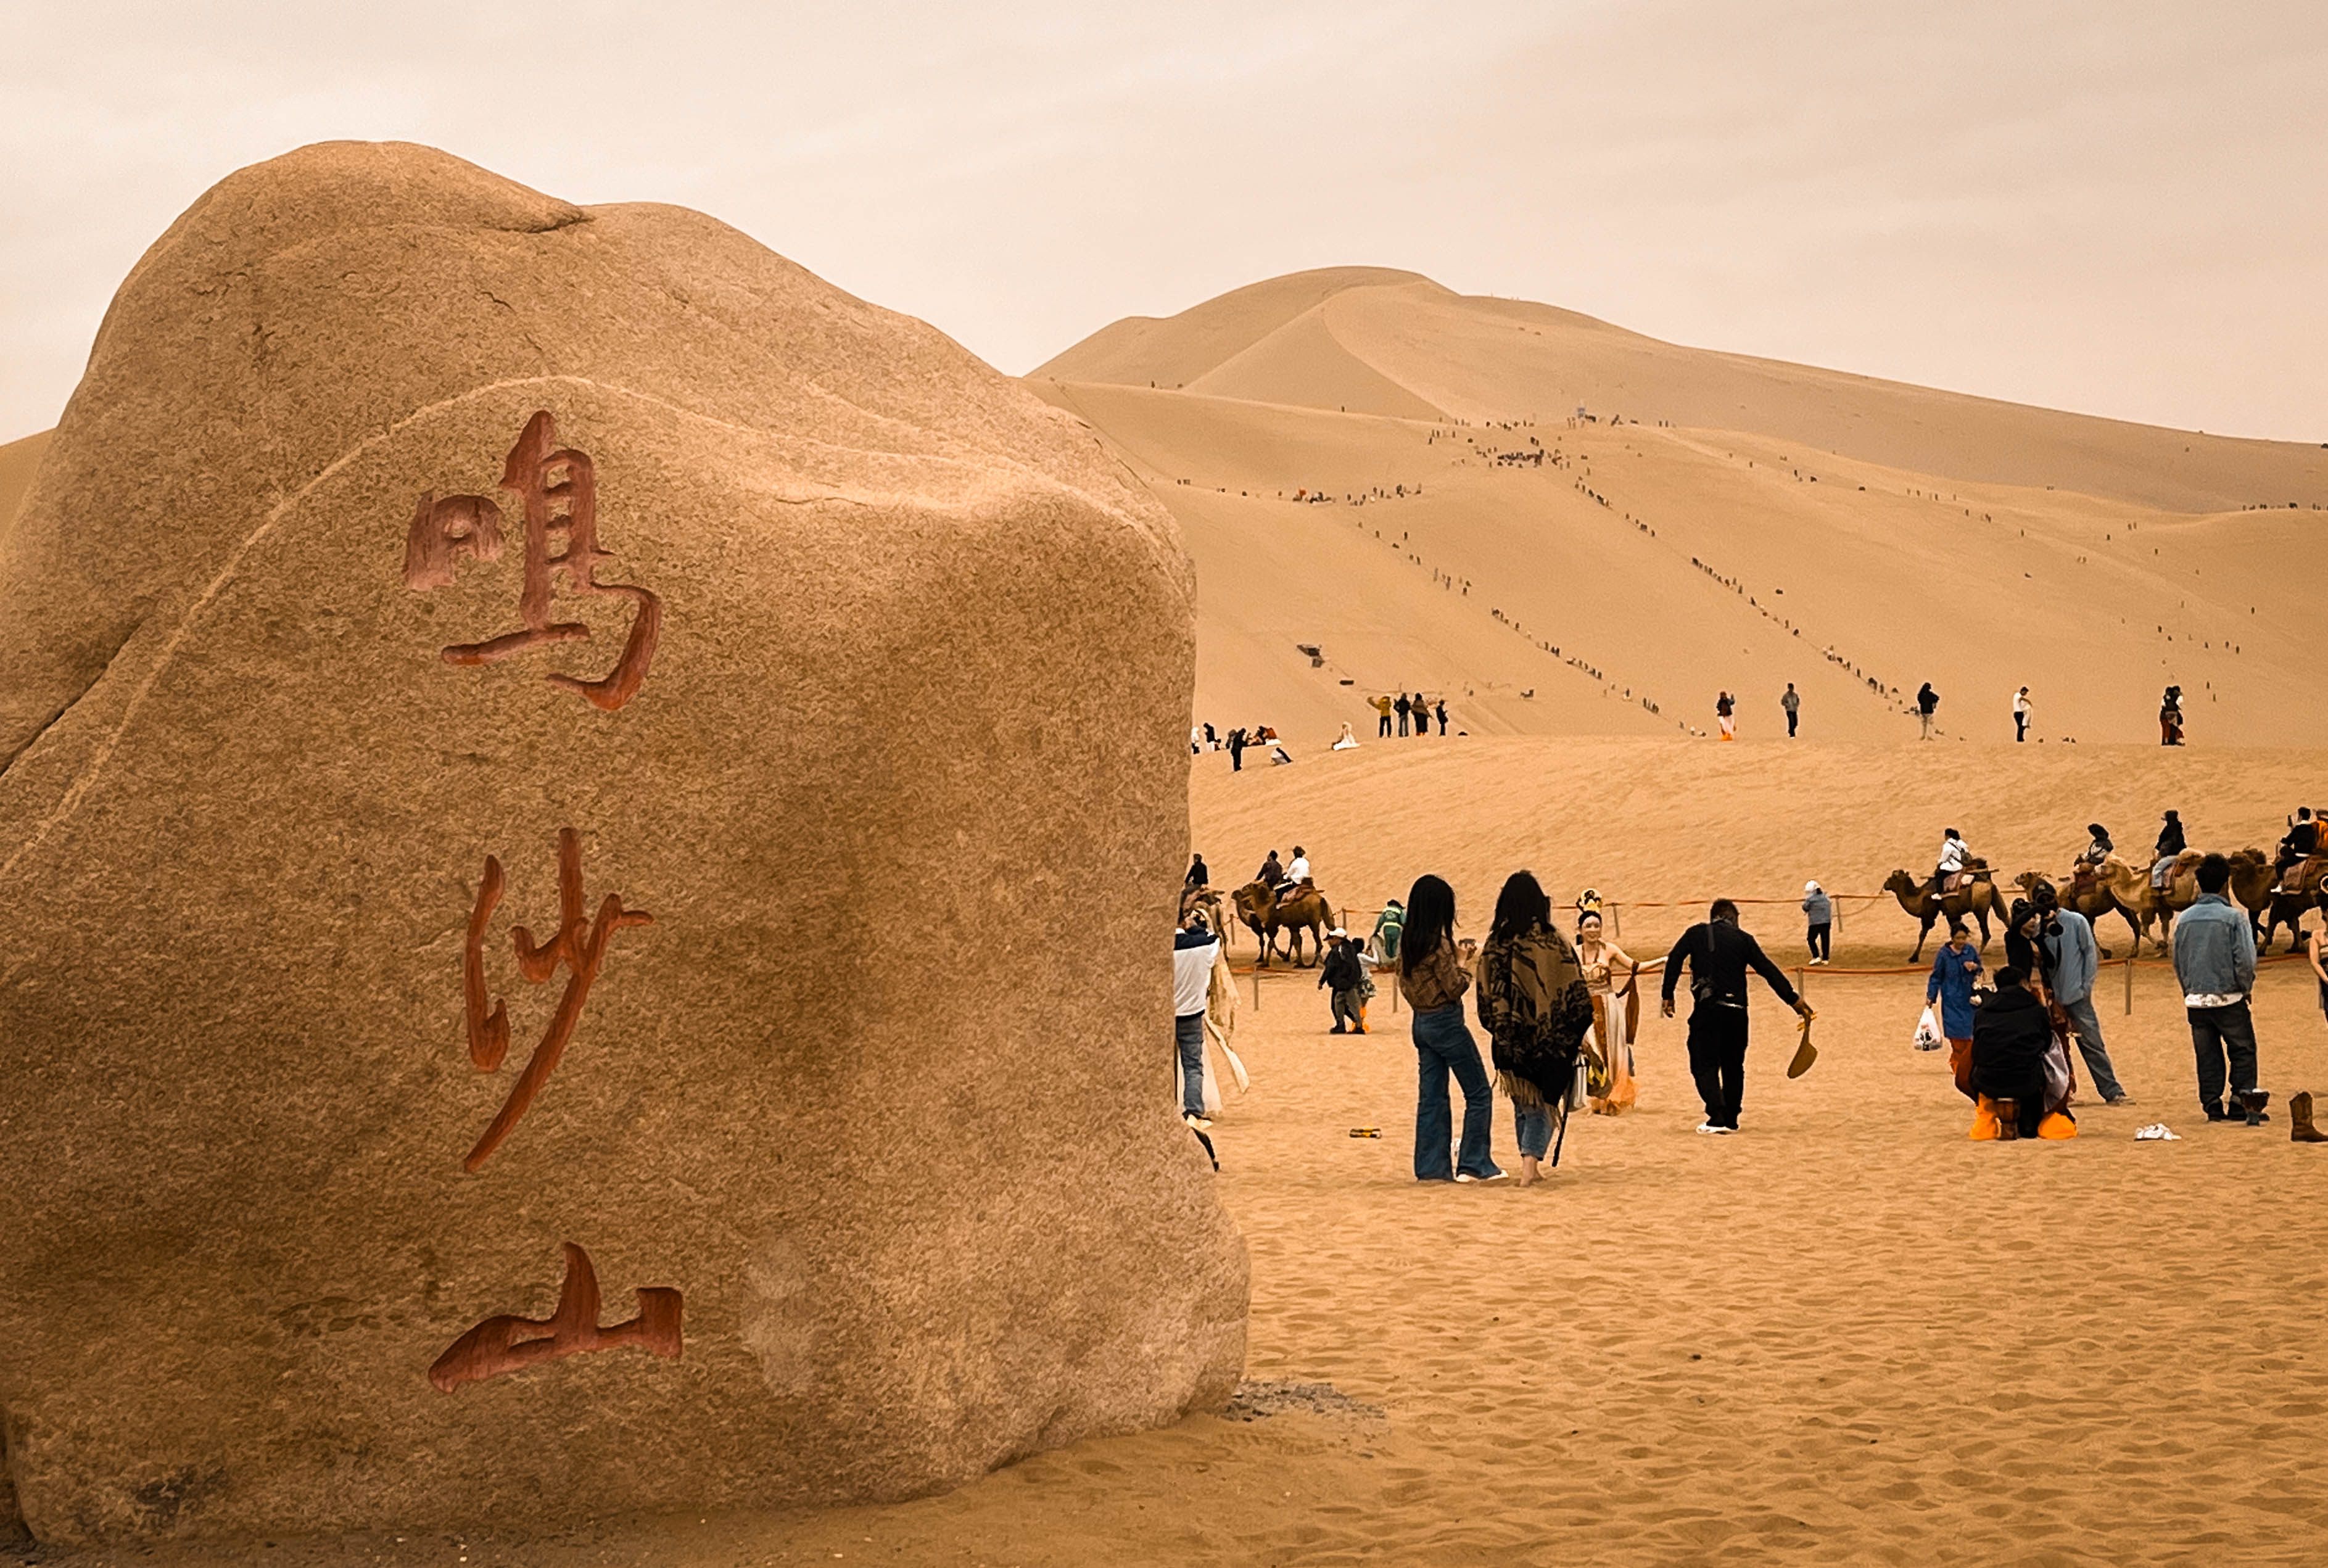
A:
1855,537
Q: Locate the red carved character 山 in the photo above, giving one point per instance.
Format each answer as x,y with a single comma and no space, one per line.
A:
502,1344
557,490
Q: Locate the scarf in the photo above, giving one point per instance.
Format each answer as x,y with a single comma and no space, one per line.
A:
1536,1007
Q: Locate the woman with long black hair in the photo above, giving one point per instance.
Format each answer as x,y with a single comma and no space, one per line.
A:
1433,974
1536,1006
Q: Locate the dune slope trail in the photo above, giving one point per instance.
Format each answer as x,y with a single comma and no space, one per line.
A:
1716,522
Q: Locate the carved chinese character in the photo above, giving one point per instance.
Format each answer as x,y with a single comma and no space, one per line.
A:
578,947
557,491
505,1343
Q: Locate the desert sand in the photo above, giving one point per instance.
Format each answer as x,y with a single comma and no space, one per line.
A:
1848,1334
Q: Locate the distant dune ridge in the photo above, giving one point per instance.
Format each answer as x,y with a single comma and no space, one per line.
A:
1808,526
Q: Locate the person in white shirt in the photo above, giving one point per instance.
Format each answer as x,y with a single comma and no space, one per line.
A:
2020,714
1298,872
1956,859
1193,947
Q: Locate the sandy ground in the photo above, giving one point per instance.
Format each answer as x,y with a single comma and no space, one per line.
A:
1848,1334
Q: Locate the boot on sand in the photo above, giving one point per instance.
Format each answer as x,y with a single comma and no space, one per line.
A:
2299,1117
2252,1102
2008,1121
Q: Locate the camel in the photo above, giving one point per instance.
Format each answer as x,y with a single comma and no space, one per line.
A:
1921,899
2090,897
1304,909
2142,902
1208,899
2275,906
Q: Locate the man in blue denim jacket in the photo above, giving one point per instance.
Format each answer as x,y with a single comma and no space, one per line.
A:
2215,963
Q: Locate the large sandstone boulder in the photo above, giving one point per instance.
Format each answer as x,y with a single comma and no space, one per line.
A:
587,832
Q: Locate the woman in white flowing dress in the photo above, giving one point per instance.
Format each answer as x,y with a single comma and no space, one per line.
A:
1609,973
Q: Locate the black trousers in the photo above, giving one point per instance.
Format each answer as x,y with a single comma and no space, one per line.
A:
1791,716
2020,727
1384,727
1717,1060
1820,935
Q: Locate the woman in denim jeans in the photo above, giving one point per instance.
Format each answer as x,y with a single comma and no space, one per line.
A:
1433,972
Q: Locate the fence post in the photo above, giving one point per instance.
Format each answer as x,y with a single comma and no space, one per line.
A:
2129,985
1616,921
1256,991
1835,926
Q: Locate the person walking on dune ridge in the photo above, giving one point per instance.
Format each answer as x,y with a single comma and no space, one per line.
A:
1793,703
1403,708
1725,714
2021,715
1927,703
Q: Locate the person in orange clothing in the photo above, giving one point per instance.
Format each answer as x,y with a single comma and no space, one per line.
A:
2012,1041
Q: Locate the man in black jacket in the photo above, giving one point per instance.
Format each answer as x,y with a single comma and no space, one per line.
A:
2011,1035
1719,955
1345,978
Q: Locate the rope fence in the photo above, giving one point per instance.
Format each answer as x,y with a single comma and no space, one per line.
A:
1801,972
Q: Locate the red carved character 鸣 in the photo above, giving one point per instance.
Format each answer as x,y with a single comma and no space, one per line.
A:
557,491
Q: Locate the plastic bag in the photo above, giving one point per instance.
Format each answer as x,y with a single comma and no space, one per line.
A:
1927,1032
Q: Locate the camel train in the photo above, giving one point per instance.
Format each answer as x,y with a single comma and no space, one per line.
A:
2120,887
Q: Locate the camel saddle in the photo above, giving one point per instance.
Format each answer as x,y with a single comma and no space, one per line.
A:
2304,876
1957,882
2181,881
1296,889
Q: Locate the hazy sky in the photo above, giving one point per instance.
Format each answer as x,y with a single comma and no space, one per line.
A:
2115,206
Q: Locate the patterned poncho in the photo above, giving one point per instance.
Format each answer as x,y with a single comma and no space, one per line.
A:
1534,1006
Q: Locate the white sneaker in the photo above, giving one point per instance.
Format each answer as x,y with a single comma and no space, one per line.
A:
1708,1126
1726,1131
1498,1176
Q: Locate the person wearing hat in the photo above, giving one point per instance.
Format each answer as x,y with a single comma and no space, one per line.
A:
2097,849
2172,842
1818,910
1344,978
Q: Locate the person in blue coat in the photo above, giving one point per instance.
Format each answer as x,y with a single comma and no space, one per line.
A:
1955,969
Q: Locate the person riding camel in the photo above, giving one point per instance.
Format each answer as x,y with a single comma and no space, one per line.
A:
1296,875
2298,844
2090,859
1271,872
2171,845
1955,869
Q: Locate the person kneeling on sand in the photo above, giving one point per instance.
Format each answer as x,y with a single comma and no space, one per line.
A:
1536,1006
2012,1040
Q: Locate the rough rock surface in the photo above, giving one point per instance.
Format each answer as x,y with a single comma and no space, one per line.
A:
336,1054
